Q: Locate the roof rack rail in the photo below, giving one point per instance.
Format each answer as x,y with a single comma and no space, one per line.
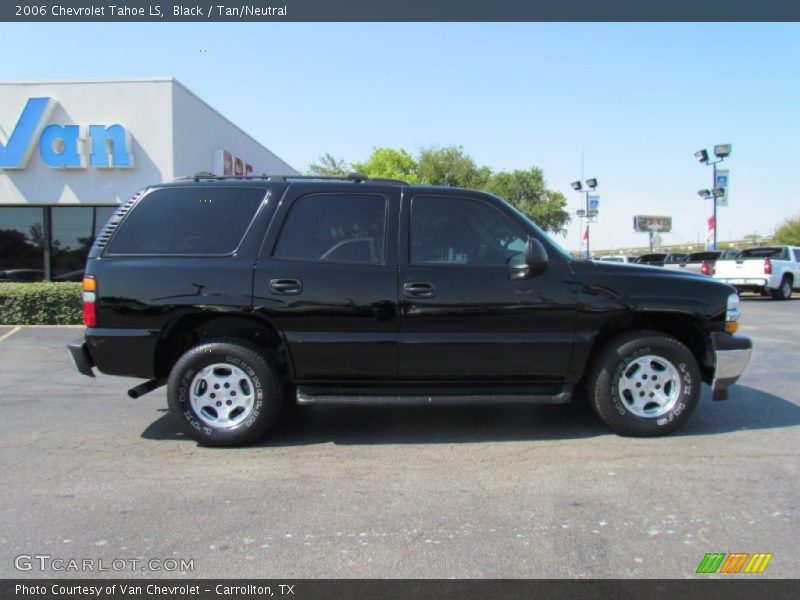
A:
356,177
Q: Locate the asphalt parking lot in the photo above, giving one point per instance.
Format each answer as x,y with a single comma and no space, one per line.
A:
399,492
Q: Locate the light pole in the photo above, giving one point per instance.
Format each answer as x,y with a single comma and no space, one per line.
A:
591,184
721,151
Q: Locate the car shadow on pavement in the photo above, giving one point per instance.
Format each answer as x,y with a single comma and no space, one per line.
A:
369,425
747,409
307,425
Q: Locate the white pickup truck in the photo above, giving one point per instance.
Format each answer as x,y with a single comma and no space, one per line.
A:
773,270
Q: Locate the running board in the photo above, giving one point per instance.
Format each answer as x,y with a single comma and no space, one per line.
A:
309,395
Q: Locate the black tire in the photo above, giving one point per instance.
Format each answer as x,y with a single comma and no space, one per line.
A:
258,380
784,291
615,368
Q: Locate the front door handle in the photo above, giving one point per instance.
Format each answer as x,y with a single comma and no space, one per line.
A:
286,286
419,289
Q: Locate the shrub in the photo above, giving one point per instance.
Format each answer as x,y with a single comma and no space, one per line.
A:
40,304
789,232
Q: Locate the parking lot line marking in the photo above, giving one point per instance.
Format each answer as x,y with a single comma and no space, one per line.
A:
7,335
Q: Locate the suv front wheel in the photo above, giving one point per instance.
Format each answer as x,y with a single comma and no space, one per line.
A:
644,383
224,393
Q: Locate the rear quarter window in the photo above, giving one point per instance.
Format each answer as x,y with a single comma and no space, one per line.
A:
187,221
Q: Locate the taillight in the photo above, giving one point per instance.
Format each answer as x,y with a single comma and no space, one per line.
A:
704,270
767,266
89,298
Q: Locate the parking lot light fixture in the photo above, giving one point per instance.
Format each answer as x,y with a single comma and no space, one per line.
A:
591,184
722,150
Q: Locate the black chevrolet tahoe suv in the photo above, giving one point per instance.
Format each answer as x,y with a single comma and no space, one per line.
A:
242,294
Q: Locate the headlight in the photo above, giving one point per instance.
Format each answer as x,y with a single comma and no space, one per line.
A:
732,314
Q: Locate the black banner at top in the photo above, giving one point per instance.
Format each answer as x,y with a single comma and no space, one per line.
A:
395,589
398,10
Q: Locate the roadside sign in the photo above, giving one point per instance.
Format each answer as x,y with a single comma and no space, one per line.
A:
723,177
647,223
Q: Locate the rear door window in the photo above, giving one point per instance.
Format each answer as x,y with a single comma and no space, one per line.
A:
338,228
202,220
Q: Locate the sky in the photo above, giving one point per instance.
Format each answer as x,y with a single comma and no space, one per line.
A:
628,104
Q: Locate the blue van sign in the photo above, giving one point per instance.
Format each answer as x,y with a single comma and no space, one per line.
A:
64,146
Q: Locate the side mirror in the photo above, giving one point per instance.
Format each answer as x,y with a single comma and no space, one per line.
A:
535,260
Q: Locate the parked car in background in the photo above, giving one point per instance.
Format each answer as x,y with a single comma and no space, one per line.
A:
71,276
704,262
700,262
655,259
21,275
773,270
661,259
618,258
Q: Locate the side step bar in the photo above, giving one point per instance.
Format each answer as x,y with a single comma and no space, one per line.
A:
310,395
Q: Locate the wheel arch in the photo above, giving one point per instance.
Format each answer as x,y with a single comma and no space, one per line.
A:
188,330
683,327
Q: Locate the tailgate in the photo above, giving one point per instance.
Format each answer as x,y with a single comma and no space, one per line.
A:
751,267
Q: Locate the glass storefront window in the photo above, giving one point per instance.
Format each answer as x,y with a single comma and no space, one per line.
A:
72,238
21,243
23,234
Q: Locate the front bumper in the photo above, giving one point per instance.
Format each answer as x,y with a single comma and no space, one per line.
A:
731,356
81,358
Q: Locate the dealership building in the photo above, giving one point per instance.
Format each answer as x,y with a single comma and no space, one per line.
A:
71,151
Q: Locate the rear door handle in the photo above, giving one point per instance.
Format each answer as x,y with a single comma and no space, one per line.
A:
286,286
419,289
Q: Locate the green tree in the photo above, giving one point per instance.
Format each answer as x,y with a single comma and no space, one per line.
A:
328,166
388,163
789,232
527,190
450,165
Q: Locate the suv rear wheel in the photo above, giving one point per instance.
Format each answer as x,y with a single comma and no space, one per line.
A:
644,383
784,291
224,393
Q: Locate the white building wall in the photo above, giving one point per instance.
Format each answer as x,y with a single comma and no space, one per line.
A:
173,133
142,106
200,131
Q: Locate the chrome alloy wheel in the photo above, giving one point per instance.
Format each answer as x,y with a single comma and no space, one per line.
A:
222,395
650,386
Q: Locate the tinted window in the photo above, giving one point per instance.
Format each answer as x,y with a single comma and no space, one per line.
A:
797,254
701,256
347,228
775,253
463,232
196,220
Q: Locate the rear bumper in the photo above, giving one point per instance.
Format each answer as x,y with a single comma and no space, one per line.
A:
124,352
731,356
81,359
746,282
